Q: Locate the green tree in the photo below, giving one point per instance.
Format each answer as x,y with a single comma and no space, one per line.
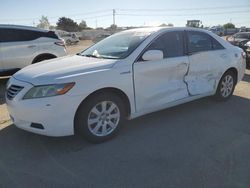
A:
44,23
67,24
229,26
82,25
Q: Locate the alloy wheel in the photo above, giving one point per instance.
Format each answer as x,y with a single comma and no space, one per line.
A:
103,118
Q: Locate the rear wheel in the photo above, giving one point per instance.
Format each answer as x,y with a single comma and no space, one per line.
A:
99,119
43,58
226,86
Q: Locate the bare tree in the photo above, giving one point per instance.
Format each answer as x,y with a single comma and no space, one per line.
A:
44,23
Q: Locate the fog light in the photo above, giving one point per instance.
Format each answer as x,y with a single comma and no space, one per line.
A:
37,126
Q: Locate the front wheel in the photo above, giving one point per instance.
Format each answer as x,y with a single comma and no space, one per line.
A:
100,117
226,86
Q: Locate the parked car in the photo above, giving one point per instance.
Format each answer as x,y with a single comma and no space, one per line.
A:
21,46
247,50
124,76
218,30
239,38
242,40
70,38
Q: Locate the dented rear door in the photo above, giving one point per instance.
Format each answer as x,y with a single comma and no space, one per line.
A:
206,63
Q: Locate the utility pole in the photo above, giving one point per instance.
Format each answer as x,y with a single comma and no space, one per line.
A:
114,12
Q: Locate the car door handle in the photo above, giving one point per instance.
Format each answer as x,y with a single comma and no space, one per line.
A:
31,46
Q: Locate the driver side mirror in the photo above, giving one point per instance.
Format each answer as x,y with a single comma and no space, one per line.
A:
152,55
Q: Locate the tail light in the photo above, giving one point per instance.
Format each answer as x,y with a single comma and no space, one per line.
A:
244,55
60,43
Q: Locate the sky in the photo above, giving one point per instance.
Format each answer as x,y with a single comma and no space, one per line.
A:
99,13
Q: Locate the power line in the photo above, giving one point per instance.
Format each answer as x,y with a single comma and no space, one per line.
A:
196,14
184,9
52,17
105,13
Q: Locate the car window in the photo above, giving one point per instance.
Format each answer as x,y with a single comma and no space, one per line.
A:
216,45
16,35
198,42
171,43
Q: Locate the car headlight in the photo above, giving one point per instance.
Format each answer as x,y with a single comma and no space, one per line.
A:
247,44
48,90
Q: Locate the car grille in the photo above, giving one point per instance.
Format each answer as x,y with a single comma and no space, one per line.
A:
12,91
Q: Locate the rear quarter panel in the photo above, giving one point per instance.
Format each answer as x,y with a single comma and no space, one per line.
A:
48,46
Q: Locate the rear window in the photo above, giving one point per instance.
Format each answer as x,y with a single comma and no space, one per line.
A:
16,35
200,41
216,45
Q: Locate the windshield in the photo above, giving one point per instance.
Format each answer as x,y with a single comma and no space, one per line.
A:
117,46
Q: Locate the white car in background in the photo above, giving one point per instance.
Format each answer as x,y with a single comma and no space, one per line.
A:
21,46
70,38
126,75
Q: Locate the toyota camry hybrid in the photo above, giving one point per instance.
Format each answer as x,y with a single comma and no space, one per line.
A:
124,76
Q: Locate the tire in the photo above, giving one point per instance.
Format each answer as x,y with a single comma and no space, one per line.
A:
94,123
226,86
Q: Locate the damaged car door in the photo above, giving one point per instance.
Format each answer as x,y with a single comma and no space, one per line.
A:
160,80
206,57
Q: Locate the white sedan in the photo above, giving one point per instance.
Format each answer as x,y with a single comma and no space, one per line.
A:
124,76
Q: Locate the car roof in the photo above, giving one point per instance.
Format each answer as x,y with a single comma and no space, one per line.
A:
8,26
162,29
243,33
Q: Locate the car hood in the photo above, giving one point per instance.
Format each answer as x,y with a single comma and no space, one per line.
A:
51,71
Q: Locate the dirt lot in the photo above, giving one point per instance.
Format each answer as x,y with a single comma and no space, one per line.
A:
199,144
73,49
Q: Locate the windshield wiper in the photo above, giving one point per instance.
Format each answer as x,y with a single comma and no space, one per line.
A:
91,55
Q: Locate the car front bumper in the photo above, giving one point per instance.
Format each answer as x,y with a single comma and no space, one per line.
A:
55,114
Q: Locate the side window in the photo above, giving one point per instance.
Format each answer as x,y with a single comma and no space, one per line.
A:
51,34
17,35
198,42
6,35
1,35
171,43
216,45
